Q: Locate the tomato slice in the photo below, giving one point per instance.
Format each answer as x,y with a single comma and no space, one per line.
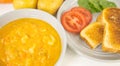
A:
85,12
73,21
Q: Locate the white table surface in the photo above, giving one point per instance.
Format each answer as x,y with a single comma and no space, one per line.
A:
71,58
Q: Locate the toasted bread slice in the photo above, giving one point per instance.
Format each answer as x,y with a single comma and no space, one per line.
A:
93,34
99,18
111,40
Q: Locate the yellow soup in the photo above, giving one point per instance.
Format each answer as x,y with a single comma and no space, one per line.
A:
29,42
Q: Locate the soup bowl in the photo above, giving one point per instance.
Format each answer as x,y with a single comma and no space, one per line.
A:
38,14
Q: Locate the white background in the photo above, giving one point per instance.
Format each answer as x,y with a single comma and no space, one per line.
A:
71,58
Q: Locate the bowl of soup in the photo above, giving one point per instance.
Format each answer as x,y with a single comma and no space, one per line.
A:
30,37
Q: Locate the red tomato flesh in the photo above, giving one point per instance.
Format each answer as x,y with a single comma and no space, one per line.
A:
73,21
85,12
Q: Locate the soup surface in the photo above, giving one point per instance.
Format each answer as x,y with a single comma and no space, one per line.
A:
29,42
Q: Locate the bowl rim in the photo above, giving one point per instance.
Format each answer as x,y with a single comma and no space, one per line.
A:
34,13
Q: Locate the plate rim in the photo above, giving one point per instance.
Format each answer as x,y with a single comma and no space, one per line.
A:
73,48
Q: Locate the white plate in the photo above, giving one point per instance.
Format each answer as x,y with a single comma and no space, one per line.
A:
32,13
79,45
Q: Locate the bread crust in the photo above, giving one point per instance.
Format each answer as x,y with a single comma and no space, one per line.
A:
111,41
93,34
110,20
